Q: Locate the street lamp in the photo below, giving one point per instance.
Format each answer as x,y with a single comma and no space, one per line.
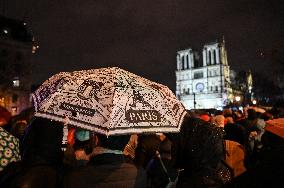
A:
238,98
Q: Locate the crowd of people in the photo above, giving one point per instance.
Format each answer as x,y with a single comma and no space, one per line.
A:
224,148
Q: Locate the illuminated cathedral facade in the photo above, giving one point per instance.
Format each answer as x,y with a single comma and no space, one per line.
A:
203,83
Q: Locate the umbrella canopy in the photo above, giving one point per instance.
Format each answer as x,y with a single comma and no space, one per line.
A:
9,149
109,101
275,126
257,109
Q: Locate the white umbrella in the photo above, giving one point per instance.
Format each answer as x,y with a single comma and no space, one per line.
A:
109,101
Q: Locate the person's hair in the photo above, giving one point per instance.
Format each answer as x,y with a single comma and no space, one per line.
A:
113,142
199,144
43,138
86,145
251,114
18,128
227,112
218,112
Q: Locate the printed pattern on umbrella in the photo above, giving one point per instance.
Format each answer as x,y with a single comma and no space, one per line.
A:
109,101
9,149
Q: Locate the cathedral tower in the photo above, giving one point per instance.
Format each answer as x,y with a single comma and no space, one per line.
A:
203,83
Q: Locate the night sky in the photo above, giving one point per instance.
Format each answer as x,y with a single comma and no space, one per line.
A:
143,36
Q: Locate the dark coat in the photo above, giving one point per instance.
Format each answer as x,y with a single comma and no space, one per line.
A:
157,176
18,175
106,170
235,132
41,164
269,172
200,152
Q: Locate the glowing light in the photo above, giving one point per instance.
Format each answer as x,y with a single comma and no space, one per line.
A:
5,31
16,82
254,102
238,98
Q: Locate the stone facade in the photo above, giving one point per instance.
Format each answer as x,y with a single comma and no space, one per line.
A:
16,50
203,83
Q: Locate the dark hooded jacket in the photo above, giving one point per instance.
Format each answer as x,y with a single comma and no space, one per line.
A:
108,169
200,152
41,157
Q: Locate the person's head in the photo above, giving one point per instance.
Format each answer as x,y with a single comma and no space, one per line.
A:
218,112
229,120
18,128
199,145
251,114
238,115
219,121
115,142
43,138
227,112
83,144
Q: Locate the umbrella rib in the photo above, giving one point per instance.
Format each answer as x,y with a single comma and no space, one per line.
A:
103,111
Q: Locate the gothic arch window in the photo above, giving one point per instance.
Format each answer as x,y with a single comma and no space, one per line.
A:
214,57
182,62
209,57
187,61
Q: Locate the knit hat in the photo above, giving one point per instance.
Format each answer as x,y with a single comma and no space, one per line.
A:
82,135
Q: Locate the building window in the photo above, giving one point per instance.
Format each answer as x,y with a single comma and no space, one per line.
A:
214,57
16,82
216,73
216,88
183,62
198,75
187,62
209,56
